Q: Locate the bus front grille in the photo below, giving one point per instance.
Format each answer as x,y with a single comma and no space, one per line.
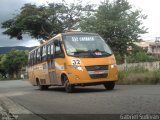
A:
97,67
96,76
97,71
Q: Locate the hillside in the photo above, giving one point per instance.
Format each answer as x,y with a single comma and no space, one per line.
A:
4,50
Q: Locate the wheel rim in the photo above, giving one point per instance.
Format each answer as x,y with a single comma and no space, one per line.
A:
67,85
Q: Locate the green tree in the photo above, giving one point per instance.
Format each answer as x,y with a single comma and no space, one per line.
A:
2,68
138,54
117,22
38,22
14,60
44,21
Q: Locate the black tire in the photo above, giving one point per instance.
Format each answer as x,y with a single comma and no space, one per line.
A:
42,87
109,85
68,87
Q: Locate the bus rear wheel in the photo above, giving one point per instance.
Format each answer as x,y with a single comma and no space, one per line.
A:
109,85
68,87
42,87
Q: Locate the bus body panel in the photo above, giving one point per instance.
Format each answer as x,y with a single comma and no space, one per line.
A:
39,72
82,76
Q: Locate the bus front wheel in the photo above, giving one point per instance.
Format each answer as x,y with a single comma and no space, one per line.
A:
109,85
68,87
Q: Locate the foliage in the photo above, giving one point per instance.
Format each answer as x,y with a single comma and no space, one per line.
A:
13,61
139,55
2,68
119,58
117,22
45,21
4,50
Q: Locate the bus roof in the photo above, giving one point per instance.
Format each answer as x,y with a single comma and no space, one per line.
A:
63,34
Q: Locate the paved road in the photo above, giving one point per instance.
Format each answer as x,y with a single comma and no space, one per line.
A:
85,100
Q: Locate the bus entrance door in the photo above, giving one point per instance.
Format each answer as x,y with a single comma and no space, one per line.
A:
52,72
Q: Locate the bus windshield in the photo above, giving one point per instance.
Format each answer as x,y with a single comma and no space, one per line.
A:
86,45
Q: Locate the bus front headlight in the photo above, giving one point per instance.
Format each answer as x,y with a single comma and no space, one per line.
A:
77,67
113,65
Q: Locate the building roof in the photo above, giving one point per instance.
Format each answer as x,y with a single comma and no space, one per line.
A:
142,44
155,44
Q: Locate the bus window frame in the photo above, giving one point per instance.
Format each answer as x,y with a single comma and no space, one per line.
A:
31,59
38,55
59,42
46,52
34,57
52,49
50,53
44,56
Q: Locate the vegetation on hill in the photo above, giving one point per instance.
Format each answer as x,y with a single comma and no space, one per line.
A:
4,50
12,62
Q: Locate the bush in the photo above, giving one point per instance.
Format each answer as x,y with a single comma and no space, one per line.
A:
119,59
139,57
138,75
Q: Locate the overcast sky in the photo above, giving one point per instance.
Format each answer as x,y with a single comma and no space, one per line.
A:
9,8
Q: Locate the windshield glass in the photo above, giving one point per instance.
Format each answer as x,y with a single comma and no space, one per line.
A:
86,45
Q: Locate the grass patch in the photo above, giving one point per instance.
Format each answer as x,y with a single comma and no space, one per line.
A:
138,75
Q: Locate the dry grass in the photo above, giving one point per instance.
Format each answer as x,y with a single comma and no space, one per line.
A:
139,75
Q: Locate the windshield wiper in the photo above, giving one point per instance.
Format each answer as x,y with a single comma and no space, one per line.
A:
80,53
91,53
104,52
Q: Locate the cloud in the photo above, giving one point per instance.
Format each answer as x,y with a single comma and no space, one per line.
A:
150,8
27,41
9,9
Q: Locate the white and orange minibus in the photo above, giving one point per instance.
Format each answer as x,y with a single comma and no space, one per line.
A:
72,59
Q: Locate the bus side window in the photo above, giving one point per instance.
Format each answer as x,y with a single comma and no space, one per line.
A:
48,51
34,57
52,50
38,55
58,49
44,55
29,60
